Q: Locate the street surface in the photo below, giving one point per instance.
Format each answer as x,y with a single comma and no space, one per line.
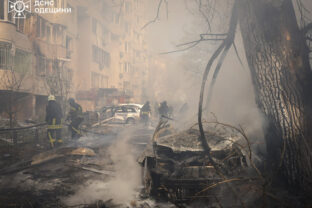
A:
96,169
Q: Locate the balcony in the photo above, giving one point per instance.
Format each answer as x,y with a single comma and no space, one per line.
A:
8,33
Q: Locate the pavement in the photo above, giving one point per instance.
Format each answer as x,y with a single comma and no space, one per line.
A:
96,170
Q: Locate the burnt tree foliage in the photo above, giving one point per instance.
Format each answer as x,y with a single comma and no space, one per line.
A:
278,58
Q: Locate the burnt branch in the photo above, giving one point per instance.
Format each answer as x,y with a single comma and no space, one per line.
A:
156,17
225,44
237,55
215,37
204,15
184,49
241,131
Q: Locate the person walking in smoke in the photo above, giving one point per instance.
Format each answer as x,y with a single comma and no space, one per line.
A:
145,113
53,118
163,109
75,117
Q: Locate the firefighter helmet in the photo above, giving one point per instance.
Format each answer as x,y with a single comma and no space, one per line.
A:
51,97
71,101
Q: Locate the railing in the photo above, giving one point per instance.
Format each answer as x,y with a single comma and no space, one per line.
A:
11,137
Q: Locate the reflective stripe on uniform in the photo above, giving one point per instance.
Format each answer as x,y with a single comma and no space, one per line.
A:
51,139
55,126
72,108
76,130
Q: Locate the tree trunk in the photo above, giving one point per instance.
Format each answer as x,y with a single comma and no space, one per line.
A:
277,56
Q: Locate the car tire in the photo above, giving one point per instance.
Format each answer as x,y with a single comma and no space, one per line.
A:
130,121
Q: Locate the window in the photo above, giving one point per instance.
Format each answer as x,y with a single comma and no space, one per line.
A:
67,76
5,56
127,67
41,66
100,56
49,66
72,10
10,17
117,19
48,33
119,110
95,80
69,46
43,28
54,33
126,47
38,26
95,55
58,3
128,7
2,9
20,22
22,61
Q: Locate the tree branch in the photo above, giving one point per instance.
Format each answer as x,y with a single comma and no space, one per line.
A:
204,15
156,17
225,44
196,42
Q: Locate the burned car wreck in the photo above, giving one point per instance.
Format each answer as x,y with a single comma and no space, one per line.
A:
175,166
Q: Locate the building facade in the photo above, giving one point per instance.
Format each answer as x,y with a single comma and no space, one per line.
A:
94,53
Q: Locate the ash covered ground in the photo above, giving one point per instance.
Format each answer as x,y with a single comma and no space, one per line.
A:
99,171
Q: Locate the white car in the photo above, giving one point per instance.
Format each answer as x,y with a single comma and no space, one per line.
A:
134,105
121,114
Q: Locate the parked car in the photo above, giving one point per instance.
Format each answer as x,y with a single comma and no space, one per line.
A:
132,105
120,114
175,166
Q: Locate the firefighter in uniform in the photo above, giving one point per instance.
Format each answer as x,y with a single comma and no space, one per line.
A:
163,109
145,112
53,118
75,116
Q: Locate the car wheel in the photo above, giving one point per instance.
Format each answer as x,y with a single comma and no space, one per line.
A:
130,121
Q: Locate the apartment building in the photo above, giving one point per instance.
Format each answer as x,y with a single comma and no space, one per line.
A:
95,54
111,48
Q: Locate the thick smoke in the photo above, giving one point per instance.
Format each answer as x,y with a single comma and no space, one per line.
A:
122,186
177,77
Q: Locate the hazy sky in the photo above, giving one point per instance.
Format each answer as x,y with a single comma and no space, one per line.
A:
233,99
183,23
165,33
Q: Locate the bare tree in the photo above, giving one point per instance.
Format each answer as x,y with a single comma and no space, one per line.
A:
12,80
278,58
59,81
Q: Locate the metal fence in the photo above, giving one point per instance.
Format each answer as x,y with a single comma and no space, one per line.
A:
19,137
